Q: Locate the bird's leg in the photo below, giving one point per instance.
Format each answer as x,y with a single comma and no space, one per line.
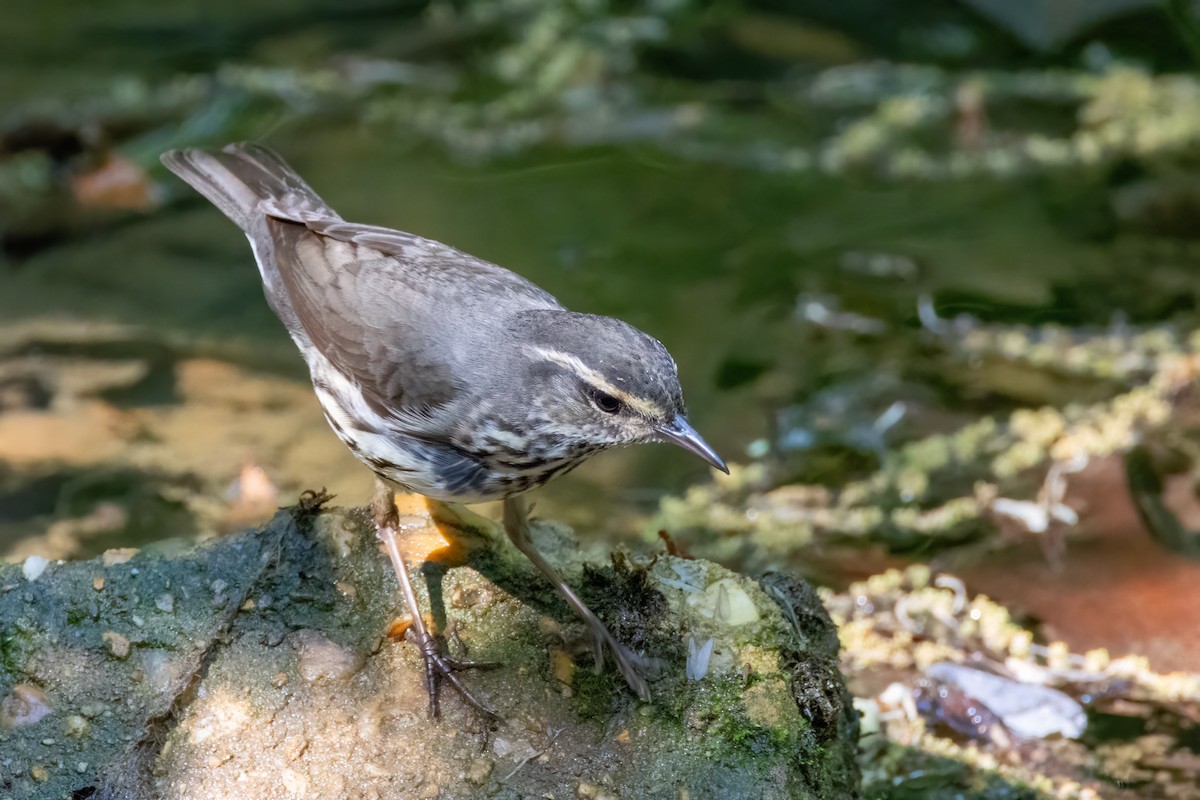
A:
437,666
516,525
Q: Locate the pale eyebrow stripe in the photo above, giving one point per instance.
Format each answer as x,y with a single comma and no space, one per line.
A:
589,375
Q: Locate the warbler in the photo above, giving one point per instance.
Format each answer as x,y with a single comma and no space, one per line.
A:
447,375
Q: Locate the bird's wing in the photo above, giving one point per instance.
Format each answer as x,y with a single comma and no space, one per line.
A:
404,317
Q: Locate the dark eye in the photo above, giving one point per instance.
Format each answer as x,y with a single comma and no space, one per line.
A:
604,401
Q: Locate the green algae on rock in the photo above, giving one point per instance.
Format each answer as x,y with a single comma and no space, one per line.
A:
269,672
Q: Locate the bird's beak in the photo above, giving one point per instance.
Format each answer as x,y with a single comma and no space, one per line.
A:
679,432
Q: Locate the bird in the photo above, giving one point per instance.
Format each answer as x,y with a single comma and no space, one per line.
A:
447,375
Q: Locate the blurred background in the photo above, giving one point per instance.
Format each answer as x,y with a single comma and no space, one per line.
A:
929,270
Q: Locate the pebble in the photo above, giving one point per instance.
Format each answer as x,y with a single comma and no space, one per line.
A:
33,567
320,659
165,602
118,645
24,705
118,555
76,726
479,771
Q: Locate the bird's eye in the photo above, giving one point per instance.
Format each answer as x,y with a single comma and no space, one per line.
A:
604,401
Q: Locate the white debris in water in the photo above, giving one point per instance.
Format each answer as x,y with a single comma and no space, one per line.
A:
1028,710
33,567
698,658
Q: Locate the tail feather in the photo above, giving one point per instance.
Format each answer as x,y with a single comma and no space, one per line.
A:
239,178
251,184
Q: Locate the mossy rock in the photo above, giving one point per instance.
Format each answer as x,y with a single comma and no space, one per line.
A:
258,666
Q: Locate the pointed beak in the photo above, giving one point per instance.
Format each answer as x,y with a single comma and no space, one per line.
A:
679,432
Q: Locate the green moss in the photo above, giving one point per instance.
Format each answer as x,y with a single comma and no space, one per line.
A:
597,696
16,646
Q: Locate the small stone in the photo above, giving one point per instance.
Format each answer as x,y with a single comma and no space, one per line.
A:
623,737
48,742
98,583
219,586
24,705
479,771
346,589
429,791
137,620
165,602
81,767
248,605
118,555
280,680
118,645
76,726
320,660
39,773
33,567
92,710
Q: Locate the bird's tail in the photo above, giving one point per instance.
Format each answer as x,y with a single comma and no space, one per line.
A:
240,177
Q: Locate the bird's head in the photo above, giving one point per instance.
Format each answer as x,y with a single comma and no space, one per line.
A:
597,382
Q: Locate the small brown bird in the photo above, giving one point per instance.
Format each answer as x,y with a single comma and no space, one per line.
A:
447,375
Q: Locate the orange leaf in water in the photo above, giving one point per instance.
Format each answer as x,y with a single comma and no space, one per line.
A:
117,183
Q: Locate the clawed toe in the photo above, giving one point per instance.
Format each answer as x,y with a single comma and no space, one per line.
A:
630,664
438,667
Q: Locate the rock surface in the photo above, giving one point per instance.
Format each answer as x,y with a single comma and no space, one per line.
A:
269,674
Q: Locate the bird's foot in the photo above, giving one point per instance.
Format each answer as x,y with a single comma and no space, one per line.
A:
439,666
631,665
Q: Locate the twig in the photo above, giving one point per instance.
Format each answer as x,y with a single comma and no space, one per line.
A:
532,756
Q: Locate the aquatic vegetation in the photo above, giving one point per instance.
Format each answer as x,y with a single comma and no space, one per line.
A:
953,488
908,628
